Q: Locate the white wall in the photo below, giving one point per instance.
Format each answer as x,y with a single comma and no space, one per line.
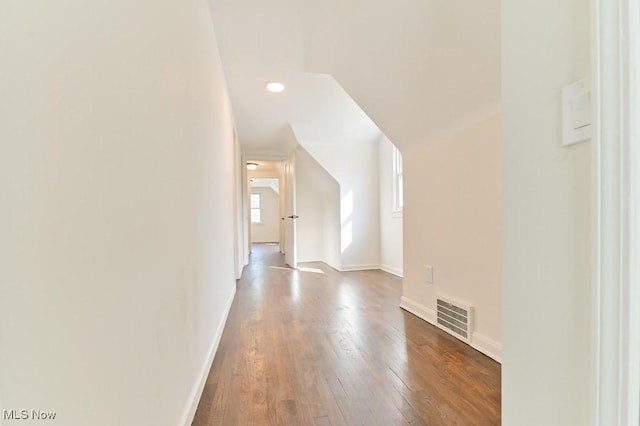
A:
331,225
269,230
310,225
452,218
117,248
547,377
318,205
390,221
241,252
354,165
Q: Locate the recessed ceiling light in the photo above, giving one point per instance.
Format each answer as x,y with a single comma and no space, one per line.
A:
252,166
275,87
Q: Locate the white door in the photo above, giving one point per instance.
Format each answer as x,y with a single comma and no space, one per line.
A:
290,250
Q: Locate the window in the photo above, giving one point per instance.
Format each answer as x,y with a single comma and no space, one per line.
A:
398,200
256,214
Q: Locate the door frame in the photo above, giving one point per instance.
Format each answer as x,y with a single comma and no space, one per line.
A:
616,210
290,216
268,174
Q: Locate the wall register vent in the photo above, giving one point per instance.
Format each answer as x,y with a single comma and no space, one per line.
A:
454,318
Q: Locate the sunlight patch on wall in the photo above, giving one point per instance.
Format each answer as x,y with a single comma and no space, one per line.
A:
346,211
346,207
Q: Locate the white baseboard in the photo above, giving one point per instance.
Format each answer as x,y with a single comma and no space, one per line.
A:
369,266
479,342
421,311
336,267
198,387
392,270
362,267
487,346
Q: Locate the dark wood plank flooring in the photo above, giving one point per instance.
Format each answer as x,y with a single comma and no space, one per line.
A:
308,348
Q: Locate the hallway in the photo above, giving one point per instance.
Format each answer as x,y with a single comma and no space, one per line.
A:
316,346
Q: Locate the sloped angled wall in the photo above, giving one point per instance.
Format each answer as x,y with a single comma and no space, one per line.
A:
318,204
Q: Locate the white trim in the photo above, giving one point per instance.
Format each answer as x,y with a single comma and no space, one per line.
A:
359,267
479,342
486,345
616,197
198,387
392,270
421,311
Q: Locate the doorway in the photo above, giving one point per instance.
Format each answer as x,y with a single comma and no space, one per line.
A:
270,200
264,211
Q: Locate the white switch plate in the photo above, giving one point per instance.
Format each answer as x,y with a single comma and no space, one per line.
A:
429,274
576,112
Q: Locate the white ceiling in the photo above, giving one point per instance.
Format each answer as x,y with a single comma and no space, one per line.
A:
415,66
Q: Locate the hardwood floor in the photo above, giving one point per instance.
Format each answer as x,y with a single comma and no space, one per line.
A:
309,348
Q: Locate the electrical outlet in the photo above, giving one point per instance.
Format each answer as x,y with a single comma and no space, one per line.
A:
429,274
